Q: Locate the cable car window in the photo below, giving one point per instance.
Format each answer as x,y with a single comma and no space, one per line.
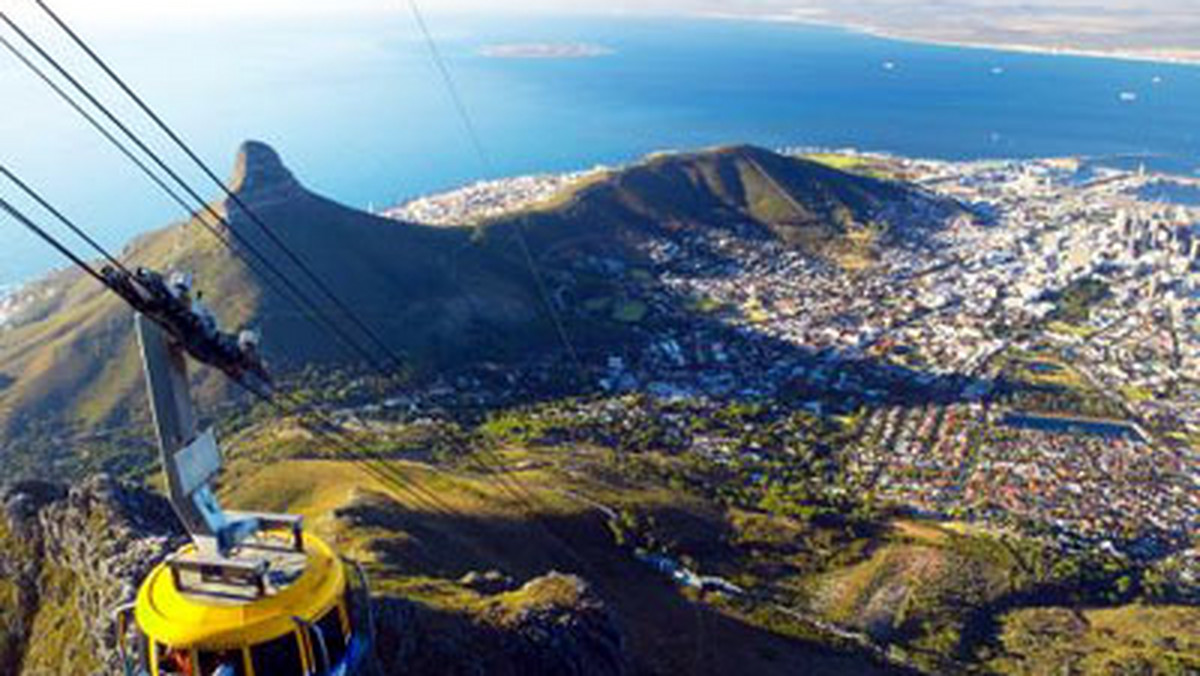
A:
174,661
280,657
335,637
133,643
352,611
142,651
222,663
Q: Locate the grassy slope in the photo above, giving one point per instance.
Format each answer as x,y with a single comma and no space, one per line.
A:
428,291
53,646
914,586
12,612
1131,640
420,553
534,511
919,589
83,358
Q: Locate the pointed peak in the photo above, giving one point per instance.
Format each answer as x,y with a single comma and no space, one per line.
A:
260,170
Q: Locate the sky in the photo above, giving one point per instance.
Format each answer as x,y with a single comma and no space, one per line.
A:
1144,24
127,12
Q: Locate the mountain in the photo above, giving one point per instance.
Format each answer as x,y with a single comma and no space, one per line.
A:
69,350
437,296
802,203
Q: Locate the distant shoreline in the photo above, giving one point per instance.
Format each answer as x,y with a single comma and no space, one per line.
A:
1172,58
1175,57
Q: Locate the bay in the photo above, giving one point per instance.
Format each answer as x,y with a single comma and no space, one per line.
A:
359,112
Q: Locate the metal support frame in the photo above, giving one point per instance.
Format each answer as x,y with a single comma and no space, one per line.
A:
192,459
175,424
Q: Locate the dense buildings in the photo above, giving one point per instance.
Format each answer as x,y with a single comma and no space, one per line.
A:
1055,291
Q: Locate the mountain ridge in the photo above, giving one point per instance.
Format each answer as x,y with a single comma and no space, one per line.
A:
440,296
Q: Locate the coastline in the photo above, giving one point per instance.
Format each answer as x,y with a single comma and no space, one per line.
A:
1182,58
1173,57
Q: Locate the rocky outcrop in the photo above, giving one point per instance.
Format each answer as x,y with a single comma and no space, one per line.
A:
552,626
260,177
72,555
559,626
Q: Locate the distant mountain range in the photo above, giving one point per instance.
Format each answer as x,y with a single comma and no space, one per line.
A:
437,295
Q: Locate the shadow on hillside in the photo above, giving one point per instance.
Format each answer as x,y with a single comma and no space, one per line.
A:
720,361
587,256
666,632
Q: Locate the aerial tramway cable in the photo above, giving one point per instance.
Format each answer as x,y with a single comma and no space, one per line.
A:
313,314
79,232
510,485
50,239
389,475
300,299
229,194
476,141
386,476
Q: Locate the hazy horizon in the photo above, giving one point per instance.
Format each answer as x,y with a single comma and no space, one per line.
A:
123,12
1156,28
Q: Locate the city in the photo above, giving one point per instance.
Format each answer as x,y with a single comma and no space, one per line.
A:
974,391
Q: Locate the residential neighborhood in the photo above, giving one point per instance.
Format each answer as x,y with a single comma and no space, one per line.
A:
1030,359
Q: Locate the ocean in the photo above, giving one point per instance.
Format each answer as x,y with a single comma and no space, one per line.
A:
357,109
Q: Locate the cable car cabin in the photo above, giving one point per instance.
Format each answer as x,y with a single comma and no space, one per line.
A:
253,594
281,606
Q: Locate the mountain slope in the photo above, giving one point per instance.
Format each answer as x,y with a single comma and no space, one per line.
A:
801,203
70,350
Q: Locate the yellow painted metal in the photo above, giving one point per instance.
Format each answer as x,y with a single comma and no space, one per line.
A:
179,619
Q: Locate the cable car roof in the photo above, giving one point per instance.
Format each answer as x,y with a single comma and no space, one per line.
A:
218,617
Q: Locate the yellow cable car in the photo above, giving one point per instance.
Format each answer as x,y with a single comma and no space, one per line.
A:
193,617
252,594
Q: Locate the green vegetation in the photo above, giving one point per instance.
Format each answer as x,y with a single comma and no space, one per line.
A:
756,492
856,164
1126,640
1071,330
781,521
804,203
1045,382
1073,306
630,312
706,306
839,162
54,645
1137,394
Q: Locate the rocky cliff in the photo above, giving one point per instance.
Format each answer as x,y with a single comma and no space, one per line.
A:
68,556
552,625
260,177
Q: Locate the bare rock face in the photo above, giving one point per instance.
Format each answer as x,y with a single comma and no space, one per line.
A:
73,554
552,626
260,177
560,627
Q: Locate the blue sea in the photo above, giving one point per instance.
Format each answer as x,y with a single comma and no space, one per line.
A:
356,108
